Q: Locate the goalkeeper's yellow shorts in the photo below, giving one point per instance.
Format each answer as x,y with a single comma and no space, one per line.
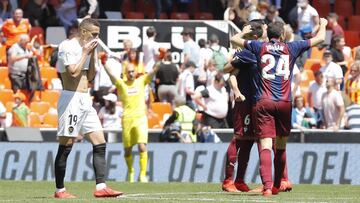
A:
134,131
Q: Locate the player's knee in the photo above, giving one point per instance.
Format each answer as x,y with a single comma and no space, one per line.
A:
281,142
266,143
96,137
142,147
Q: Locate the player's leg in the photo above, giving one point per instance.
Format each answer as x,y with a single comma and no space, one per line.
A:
92,129
283,127
243,160
264,123
279,160
141,138
231,154
127,125
65,146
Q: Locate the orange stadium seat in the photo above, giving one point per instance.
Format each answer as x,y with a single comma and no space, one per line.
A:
51,96
180,16
6,95
134,15
48,73
309,63
344,8
34,120
322,7
203,16
40,107
145,6
354,23
3,55
317,53
161,108
193,7
4,73
352,38
51,119
153,121
6,84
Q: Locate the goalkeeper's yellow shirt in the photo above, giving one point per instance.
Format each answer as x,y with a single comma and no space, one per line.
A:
132,95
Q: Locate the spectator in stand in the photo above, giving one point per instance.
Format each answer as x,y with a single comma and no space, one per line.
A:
259,11
301,117
331,69
215,103
150,49
337,30
19,56
14,27
333,105
272,15
20,111
5,10
291,36
337,46
308,19
357,53
67,13
185,117
352,117
191,50
231,15
128,45
40,13
89,9
166,79
316,91
2,115
110,115
219,53
134,59
352,86
186,83
205,56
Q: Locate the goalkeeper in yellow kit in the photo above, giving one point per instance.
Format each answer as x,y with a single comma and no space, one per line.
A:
134,120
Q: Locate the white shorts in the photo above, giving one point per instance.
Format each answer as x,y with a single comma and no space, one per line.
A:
76,114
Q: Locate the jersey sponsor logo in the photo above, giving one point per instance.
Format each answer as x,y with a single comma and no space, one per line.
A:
132,91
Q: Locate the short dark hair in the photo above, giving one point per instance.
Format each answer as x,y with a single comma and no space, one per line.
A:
333,15
219,77
190,64
87,22
188,31
151,31
256,30
214,38
317,73
202,43
275,30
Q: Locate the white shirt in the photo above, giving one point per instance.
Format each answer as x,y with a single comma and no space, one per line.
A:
217,102
111,120
317,91
186,81
331,102
150,49
305,17
70,52
193,51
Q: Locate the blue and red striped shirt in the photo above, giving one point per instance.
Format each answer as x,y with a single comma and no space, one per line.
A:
275,63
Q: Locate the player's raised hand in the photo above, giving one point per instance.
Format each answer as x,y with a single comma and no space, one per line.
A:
90,46
103,57
323,22
246,29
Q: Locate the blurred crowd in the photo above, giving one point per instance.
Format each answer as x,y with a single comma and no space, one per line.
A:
326,92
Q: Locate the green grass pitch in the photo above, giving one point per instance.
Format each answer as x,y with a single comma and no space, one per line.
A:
26,191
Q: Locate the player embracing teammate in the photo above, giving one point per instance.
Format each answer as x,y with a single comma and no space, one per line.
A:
271,81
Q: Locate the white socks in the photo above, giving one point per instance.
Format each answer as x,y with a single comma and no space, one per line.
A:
100,186
60,190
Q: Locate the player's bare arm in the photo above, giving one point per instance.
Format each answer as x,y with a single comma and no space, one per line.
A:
234,86
228,67
113,77
320,35
238,40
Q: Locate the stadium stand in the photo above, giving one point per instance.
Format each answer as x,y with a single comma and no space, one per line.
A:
40,107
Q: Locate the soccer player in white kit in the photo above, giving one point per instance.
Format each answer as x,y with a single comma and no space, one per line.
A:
76,63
